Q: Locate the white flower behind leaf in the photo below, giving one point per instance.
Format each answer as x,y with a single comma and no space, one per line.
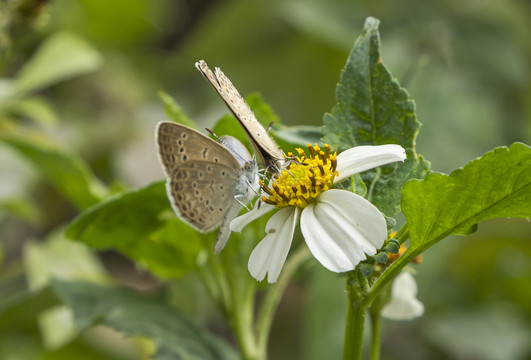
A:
340,227
404,304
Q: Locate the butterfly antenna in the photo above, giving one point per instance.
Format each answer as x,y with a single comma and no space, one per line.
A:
212,133
270,126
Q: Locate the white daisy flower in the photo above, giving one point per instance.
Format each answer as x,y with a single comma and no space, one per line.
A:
403,304
339,227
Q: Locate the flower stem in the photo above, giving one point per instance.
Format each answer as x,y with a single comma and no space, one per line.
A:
240,315
274,294
376,332
355,322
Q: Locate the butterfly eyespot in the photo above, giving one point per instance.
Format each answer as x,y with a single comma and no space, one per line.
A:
220,209
179,142
211,208
181,149
184,135
184,207
184,157
216,160
209,168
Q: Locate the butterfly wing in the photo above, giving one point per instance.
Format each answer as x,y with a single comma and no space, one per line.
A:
201,192
265,146
178,144
204,177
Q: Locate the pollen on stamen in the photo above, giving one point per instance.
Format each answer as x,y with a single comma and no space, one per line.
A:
312,176
300,183
334,164
266,189
268,201
323,157
327,148
312,153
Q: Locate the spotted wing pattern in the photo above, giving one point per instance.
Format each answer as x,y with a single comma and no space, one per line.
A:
178,144
203,175
202,192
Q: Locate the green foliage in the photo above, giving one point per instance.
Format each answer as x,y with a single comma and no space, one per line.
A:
174,111
465,72
496,185
263,111
63,56
175,336
140,224
372,109
69,174
35,109
299,135
21,209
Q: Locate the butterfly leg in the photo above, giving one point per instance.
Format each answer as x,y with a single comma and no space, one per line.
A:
237,198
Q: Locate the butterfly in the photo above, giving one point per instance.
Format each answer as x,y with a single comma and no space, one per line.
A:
207,181
269,153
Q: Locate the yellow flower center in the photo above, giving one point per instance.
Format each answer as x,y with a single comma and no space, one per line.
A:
304,179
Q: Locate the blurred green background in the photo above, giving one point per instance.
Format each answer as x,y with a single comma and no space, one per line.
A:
94,93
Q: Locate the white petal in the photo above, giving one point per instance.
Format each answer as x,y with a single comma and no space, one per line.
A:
242,221
269,255
361,158
341,228
403,305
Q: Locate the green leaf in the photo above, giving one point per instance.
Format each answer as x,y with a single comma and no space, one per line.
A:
35,109
288,138
174,111
372,109
68,173
22,209
175,336
140,223
228,125
58,258
262,110
498,184
299,135
63,56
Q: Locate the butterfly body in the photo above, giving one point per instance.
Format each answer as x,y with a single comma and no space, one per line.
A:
207,181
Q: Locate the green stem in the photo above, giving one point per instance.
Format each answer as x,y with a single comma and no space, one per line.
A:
240,314
376,177
402,235
274,294
243,325
215,282
376,333
355,322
